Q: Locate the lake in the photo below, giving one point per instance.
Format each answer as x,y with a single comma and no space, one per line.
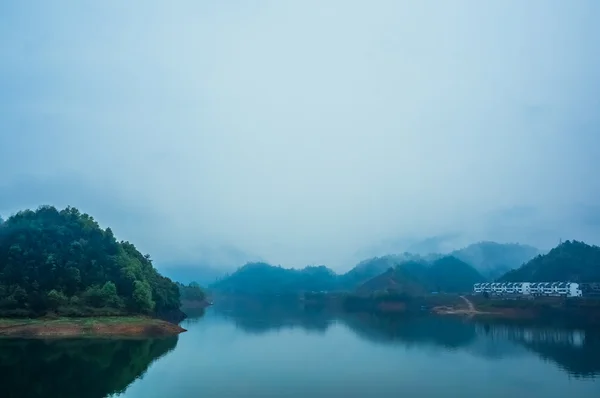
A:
274,351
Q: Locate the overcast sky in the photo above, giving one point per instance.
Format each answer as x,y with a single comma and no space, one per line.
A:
304,132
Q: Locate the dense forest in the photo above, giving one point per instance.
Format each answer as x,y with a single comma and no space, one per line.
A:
191,292
570,261
62,261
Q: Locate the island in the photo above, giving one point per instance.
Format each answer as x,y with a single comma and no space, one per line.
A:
62,275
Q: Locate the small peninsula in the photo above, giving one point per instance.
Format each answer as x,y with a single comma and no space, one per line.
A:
63,275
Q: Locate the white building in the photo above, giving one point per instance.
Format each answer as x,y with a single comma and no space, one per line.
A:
563,289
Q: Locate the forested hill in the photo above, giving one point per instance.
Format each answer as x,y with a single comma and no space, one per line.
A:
265,279
570,261
445,275
370,268
62,261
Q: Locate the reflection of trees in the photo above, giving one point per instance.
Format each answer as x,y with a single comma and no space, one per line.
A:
583,361
446,332
257,317
75,368
194,315
577,351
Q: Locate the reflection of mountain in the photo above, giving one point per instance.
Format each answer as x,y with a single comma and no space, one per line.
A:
575,351
423,330
75,368
256,316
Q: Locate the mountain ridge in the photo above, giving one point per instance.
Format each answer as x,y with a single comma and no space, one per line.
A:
572,261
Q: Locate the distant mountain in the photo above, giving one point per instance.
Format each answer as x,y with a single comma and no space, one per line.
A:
447,274
399,279
570,261
451,275
263,278
493,259
186,273
406,272
434,272
375,266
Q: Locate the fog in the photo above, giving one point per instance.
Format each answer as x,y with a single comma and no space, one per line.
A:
305,132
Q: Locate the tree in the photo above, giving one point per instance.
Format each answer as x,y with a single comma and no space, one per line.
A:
110,296
191,292
142,297
56,299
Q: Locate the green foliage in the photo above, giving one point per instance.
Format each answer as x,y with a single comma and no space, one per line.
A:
56,299
51,259
191,292
99,297
570,261
142,297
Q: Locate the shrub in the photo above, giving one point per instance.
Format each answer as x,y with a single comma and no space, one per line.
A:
56,298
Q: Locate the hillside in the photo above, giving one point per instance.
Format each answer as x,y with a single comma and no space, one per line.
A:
451,275
493,259
407,273
263,278
405,280
370,268
570,261
62,261
448,275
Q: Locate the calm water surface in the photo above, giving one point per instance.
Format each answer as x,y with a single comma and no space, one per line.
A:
283,352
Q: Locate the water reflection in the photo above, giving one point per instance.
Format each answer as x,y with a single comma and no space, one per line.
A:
259,316
75,368
271,347
575,351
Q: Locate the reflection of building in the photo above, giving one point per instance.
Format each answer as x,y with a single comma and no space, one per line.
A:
574,338
565,289
590,289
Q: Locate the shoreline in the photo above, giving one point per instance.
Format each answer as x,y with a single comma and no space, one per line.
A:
505,310
92,327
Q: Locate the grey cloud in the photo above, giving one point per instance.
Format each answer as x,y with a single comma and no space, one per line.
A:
304,132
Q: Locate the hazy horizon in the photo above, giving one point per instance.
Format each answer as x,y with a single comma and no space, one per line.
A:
303,133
